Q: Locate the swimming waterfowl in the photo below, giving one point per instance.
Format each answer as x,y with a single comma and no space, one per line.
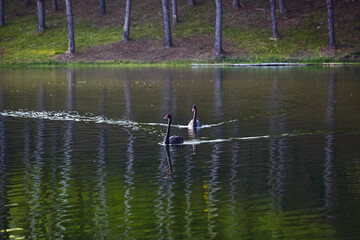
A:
194,123
172,139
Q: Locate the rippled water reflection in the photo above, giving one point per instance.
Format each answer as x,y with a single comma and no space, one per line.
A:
277,158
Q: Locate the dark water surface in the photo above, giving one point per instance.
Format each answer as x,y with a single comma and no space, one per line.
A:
278,156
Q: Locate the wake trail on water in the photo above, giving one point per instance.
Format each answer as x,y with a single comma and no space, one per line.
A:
186,126
67,116
90,118
220,140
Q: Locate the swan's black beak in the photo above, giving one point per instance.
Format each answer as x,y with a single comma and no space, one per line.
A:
167,116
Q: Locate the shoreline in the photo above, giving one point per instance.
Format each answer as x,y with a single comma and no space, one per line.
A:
180,63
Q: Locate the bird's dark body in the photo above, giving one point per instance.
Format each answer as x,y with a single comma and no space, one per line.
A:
171,139
176,140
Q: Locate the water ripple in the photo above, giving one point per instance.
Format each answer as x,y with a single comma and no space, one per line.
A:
90,118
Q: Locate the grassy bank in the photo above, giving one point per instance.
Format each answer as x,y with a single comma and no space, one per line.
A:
246,34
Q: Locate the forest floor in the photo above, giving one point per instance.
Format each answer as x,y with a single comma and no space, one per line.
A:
246,33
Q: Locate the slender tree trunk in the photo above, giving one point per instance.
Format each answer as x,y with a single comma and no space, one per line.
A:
330,24
174,11
102,7
26,2
282,6
218,29
54,5
236,4
167,28
2,13
70,27
127,21
41,15
191,2
273,19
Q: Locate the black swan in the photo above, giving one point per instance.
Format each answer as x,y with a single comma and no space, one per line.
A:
194,123
172,139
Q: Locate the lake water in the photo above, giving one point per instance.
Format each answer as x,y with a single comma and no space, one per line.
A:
82,156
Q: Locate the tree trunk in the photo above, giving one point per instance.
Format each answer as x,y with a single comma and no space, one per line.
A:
218,29
70,27
282,6
236,4
191,2
174,11
127,21
330,24
2,13
41,15
275,31
26,2
167,28
54,5
102,7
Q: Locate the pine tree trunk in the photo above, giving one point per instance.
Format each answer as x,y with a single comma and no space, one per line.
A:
102,7
236,4
191,2
282,6
127,21
330,24
273,19
174,11
41,15
218,29
54,5
167,28
2,13
70,27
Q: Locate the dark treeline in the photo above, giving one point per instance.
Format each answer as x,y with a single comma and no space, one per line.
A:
218,48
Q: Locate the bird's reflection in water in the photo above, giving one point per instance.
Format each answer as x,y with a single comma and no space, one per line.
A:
168,168
193,133
168,149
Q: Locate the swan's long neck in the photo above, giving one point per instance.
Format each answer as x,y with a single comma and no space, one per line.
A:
194,118
168,132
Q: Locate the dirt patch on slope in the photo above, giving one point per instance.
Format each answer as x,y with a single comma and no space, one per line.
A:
193,49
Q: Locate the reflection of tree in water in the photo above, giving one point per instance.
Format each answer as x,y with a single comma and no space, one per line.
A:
101,207
165,192
189,166
170,96
36,171
66,163
127,93
4,173
211,185
129,184
54,180
234,179
218,94
280,158
330,171
129,173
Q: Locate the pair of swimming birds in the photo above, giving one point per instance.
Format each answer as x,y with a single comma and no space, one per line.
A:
194,123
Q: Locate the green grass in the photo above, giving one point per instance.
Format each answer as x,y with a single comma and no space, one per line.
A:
304,40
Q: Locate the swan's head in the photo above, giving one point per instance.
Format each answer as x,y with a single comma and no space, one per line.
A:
167,116
194,107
